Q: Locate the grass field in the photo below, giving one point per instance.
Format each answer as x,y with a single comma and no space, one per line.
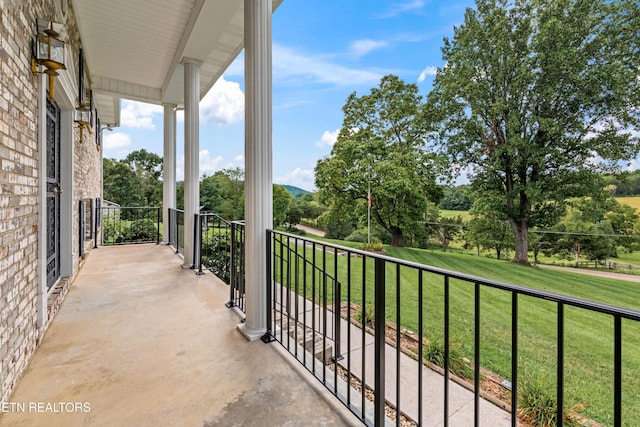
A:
588,336
452,214
633,201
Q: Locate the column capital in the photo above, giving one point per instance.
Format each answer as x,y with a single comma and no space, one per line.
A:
169,104
187,60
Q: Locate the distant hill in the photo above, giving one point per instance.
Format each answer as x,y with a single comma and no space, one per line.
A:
295,191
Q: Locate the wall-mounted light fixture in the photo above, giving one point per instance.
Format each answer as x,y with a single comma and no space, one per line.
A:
82,117
48,51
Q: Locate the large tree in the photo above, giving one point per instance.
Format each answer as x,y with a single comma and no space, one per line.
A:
133,181
538,95
382,144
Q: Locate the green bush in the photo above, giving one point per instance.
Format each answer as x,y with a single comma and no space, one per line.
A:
357,236
538,406
434,353
372,247
111,232
142,230
216,256
366,318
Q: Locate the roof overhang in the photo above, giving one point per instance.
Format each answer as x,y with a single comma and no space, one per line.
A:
134,48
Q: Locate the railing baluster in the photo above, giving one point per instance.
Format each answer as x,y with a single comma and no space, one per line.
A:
398,352
446,351
617,371
420,349
476,356
514,359
337,296
363,330
348,328
380,304
560,366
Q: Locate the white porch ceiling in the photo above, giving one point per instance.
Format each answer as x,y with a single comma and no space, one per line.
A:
134,48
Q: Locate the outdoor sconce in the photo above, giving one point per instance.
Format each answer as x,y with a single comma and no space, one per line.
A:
82,117
48,51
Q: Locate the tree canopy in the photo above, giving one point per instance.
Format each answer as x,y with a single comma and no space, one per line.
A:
536,96
382,145
133,181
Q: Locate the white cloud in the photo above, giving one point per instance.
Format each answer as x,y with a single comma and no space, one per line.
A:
328,138
208,164
116,140
290,64
139,114
302,178
428,71
634,164
223,104
399,8
239,158
363,47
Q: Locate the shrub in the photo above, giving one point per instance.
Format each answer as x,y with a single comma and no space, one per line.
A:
367,318
142,230
372,247
357,236
111,233
216,255
538,406
434,353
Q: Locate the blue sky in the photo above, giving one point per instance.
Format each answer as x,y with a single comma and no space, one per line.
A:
322,51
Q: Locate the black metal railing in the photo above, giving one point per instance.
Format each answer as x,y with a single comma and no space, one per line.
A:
213,245
237,264
130,225
176,229
506,329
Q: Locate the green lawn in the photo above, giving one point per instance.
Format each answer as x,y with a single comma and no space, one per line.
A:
452,214
588,336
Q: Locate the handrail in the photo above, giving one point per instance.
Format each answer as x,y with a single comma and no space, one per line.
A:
550,296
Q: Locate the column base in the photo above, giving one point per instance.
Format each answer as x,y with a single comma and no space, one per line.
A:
250,335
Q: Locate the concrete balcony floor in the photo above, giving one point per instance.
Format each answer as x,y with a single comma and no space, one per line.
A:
141,342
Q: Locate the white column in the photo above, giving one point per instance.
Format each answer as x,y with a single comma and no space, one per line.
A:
168,168
191,154
258,161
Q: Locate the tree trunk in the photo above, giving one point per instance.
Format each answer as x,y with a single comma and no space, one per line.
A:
521,233
498,252
396,237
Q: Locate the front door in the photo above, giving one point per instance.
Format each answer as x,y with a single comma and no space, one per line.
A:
53,193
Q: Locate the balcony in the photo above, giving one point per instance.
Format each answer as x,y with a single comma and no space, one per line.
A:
140,340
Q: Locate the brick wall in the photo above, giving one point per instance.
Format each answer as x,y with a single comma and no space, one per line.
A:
19,185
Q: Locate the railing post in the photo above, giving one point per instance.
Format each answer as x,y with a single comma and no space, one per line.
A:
268,336
195,241
379,307
197,253
232,260
336,319
158,212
